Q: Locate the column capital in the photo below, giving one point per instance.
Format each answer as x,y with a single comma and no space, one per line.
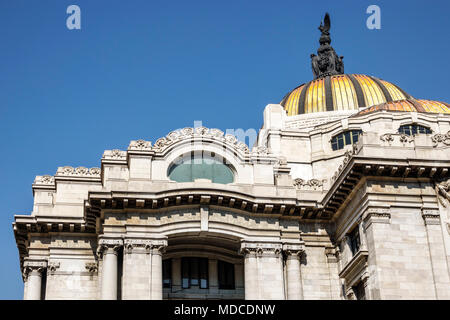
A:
106,245
144,245
261,248
33,266
293,249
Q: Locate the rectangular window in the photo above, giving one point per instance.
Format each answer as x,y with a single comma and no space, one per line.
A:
167,273
225,272
194,272
354,240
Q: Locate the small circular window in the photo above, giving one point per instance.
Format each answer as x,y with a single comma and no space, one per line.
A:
201,165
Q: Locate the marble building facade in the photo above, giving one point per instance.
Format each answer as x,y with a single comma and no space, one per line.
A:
345,195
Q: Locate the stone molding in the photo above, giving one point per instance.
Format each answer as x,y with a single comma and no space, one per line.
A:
356,268
376,215
431,217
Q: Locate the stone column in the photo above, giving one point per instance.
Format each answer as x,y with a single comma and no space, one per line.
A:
156,278
176,274
33,272
213,276
137,269
263,270
294,282
108,250
438,256
251,288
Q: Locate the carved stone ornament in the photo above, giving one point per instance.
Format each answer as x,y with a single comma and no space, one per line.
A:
327,62
404,138
187,133
46,179
443,192
140,145
347,157
108,246
52,266
91,267
310,184
30,266
115,154
78,172
260,249
387,137
441,138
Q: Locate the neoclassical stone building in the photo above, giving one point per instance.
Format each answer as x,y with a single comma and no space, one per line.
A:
345,195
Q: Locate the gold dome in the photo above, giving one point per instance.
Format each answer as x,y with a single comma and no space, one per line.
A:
341,92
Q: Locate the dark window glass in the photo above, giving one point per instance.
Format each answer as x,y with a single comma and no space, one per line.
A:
359,291
194,272
225,271
167,273
203,273
349,137
413,129
355,241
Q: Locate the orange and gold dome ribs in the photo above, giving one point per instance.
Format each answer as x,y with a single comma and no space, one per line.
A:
409,105
341,93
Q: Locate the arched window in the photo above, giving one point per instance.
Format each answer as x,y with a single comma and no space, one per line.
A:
201,165
348,137
413,129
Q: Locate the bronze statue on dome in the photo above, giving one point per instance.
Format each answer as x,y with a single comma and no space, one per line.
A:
327,62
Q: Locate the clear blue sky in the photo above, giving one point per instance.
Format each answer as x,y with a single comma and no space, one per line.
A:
138,69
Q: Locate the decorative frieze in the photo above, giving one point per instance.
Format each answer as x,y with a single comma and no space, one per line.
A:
187,133
312,184
78,172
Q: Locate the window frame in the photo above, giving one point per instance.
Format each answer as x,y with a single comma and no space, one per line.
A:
412,129
222,275
345,138
187,264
